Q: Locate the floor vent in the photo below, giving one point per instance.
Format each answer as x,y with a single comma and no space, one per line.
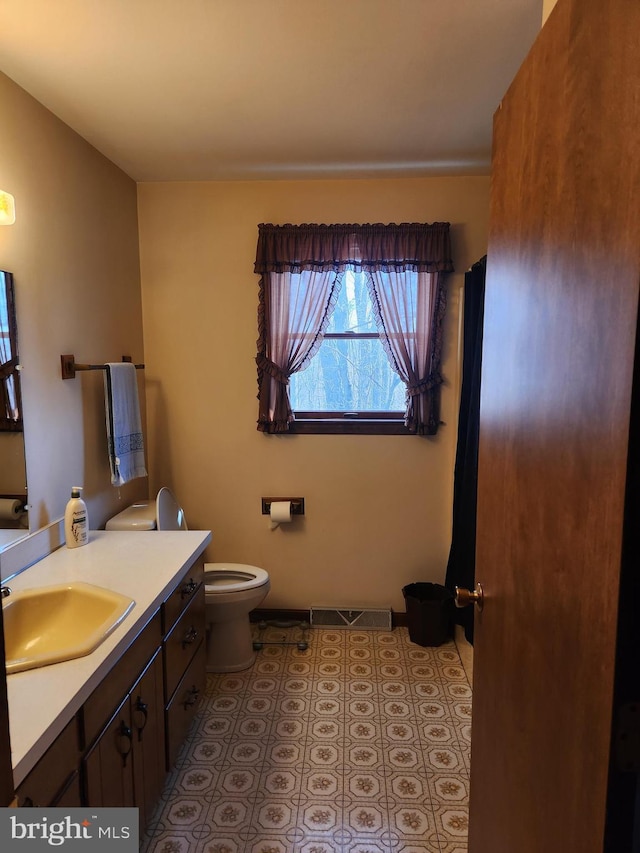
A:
373,618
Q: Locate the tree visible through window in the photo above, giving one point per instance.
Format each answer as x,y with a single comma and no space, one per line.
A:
351,372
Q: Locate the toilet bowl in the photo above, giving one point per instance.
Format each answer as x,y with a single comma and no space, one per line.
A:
232,590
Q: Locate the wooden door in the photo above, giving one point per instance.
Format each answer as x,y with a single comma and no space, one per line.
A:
560,328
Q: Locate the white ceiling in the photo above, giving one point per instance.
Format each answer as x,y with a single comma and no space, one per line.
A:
175,90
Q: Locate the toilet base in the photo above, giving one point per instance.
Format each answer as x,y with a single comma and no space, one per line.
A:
230,645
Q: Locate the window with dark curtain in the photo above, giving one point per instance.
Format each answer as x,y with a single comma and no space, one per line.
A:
302,269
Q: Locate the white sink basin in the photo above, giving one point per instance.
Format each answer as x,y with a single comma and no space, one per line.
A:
58,623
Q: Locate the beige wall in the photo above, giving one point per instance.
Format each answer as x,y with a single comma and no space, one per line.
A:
378,509
547,6
74,255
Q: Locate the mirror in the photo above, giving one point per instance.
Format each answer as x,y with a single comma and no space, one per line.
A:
13,478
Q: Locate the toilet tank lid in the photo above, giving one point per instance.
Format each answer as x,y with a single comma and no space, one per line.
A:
138,516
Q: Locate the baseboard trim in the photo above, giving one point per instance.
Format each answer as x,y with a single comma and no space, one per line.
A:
283,615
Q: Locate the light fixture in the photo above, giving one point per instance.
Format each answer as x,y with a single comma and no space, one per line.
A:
7,208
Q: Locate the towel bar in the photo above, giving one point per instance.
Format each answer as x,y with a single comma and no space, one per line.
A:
69,366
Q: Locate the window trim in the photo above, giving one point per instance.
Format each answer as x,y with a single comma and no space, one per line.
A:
348,426
349,423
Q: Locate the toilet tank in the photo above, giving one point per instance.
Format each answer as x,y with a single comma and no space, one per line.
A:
138,516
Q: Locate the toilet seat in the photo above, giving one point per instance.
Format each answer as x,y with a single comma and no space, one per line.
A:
222,578
169,513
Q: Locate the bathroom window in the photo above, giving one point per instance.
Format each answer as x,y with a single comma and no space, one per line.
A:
350,327
351,377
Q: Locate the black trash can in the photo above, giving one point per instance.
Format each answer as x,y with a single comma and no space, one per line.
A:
429,609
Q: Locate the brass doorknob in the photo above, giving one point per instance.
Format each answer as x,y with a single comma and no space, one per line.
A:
465,597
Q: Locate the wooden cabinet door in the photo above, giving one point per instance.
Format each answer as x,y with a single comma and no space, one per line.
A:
125,766
71,795
147,718
108,766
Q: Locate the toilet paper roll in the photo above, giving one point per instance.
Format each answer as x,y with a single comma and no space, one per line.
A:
280,513
10,510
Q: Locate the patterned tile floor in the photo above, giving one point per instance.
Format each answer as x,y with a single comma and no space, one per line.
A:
357,744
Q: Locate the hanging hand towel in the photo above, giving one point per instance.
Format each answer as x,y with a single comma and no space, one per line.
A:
124,428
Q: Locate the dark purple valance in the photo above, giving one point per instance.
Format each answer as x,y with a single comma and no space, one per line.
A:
419,247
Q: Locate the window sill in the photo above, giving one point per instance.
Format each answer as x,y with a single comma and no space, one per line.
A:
345,426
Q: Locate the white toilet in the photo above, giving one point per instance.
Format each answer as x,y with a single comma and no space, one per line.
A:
232,590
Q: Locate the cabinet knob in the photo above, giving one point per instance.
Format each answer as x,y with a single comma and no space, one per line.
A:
189,637
192,697
189,588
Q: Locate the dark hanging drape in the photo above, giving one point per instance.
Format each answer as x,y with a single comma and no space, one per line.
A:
462,556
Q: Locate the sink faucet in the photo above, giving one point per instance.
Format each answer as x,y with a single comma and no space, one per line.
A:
5,591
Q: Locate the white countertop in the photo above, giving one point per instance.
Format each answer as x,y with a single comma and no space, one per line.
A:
141,566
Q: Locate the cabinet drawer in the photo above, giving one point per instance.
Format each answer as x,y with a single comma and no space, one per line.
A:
51,775
181,644
103,701
184,704
182,595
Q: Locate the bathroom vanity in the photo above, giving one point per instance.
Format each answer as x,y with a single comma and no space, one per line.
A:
104,729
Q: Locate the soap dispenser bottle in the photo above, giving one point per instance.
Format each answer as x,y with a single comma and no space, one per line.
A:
76,520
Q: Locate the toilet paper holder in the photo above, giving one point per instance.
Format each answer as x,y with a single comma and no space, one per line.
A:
297,505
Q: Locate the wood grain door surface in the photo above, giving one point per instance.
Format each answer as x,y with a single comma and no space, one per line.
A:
560,327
